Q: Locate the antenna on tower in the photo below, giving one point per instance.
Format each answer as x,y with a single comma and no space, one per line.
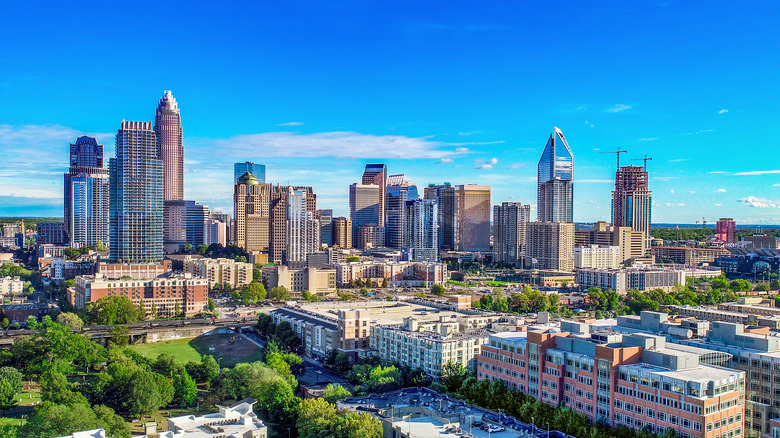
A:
645,159
617,153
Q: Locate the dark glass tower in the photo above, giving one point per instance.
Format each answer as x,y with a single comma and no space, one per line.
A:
86,194
555,184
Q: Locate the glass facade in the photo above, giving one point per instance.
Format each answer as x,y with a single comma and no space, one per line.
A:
422,228
256,170
399,191
555,181
86,194
136,190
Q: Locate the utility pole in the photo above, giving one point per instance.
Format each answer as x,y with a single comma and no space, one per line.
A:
617,153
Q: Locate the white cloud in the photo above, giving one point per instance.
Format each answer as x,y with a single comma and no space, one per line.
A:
720,191
691,192
723,111
290,124
517,165
673,205
718,205
445,160
718,172
484,167
618,107
756,202
678,160
493,161
461,150
775,185
671,191
758,172
648,139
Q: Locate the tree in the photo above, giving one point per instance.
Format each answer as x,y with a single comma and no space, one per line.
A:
72,253
209,367
453,375
10,385
212,305
148,392
333,393
763,287
187,247
112,310
51,419
437,289
774,284
120,335
201,249
341,362
279,293
184,388
55,388
740,285
32,323
315,416
253,293
285,337
70,319
6,323
384,283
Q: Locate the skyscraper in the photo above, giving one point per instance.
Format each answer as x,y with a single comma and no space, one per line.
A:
632,201
167,127
280,196
136,190
725,230
555,181
421,234
363,206
399,191
473,213
326,226
257,170
444,196
377,174
509,232
342,232
251,204
303,230
86,194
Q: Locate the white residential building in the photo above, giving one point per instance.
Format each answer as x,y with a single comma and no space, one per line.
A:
11,286
597,256
396,273
621,280
220,271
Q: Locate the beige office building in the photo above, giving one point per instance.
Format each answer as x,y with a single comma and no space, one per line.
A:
550,245
473,205
342,232
251,203
320,281
220,271
632,243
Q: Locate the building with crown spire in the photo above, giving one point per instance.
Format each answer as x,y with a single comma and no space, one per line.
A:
555,198
167,128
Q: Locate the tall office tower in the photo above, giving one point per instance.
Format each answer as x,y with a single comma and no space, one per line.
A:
555,185
376,174
277,249
473,213
184,222
326,226
342,232
167,127
303,230
632,201
363,206
421,234
725,230
86,194
257,170
509,228
251,209
449,221
399,191
136,190
550,245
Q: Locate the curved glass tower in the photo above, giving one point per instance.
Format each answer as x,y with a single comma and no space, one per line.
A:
555,186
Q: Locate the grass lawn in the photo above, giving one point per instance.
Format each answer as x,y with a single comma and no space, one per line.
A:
216,344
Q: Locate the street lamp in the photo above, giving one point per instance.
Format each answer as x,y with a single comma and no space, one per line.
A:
533,426
548,429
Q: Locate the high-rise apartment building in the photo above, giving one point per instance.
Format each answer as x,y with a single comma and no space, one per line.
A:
303,229
555,181
51,233
449,221
421,235
376,174
510,220
136,195
473,213
86,194
363,206
218,232
257,170
632,200
632,243
550,245
277,250
167,127
251,204
726,230
184,222
342,232
399,191
370,236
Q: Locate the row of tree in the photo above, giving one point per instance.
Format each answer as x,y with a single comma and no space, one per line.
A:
528,300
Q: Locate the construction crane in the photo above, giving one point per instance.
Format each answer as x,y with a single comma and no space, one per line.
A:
703,222
645,159
617,153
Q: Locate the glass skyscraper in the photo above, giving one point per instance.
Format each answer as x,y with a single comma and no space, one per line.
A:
399,191
421,235
555,183
256,170
86,194
136,188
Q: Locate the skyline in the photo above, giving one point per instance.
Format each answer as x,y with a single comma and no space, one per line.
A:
468,96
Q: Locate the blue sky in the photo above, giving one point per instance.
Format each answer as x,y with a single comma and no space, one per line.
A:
441,91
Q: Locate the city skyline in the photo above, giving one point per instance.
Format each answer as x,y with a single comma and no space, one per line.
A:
484,123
